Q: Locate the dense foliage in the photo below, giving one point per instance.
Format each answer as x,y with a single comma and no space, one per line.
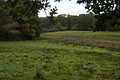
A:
18,20
68,22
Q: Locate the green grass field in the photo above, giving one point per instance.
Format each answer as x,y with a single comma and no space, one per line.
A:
67,55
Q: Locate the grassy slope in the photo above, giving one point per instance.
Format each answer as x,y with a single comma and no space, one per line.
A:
47,59
109,40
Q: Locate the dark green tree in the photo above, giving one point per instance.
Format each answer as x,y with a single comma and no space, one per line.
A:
25,12
7,25
22,16
71,21
62,19
85,22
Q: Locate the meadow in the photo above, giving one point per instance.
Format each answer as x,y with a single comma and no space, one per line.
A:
65,55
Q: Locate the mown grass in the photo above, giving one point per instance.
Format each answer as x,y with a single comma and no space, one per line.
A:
48,59
108,40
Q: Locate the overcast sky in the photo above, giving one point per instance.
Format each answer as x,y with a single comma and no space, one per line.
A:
66,7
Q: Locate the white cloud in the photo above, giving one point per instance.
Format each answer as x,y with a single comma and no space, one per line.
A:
66,7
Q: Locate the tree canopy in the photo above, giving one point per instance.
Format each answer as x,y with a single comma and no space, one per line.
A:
108,12
101,6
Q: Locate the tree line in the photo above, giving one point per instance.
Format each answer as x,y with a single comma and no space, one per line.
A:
63,22
83,22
